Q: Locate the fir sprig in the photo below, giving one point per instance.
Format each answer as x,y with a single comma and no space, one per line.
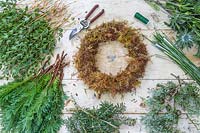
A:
34,105
105,119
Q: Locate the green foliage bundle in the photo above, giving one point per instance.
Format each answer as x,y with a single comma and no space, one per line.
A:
185,19
26,39
163,115
163,43
106,119
34,105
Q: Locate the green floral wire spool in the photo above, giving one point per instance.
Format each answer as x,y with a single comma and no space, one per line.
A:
141,18
26,39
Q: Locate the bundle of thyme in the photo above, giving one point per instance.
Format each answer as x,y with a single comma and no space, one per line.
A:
185,20
105,119
163,115
27,36
35,104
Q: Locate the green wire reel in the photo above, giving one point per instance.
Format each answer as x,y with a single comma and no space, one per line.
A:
141,18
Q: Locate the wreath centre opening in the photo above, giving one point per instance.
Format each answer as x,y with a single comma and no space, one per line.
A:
112,58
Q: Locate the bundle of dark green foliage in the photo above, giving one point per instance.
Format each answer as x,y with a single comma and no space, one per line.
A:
26,39
35,104
163,115
185,20
105,119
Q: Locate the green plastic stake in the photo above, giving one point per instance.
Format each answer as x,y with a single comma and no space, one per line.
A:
141,18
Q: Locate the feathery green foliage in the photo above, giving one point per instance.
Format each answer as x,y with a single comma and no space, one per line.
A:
105,119
163,115
26,39
34,105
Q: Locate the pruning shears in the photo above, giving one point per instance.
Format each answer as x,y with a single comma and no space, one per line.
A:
85,23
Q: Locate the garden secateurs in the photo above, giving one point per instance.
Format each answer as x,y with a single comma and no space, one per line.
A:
85,23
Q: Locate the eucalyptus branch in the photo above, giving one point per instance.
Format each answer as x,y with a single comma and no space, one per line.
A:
193,123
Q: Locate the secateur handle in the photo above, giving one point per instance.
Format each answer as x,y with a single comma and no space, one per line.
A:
91,11
97,16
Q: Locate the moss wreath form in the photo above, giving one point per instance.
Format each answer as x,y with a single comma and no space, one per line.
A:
124,81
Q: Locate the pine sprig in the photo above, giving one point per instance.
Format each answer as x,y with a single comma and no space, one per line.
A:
38,101
105,119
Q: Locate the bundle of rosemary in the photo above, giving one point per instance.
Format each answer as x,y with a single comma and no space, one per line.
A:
35,104
163,115
27,35
105,119
184,19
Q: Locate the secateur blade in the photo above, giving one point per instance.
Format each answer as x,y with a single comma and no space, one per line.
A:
73,33
85,23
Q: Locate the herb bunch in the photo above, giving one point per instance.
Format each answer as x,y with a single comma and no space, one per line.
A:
185,20
35,104
105,119
27,38
163,115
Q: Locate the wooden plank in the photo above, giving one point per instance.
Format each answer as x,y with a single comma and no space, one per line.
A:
85,97
121,10
184,125
157,68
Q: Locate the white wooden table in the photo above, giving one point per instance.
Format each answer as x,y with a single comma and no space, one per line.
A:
158,69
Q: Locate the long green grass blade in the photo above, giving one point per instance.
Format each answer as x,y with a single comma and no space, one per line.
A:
163,43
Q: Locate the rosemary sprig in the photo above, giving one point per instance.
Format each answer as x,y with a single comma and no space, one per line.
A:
105,119
34,105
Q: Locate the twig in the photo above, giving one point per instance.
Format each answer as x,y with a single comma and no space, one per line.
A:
79,108
196,126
